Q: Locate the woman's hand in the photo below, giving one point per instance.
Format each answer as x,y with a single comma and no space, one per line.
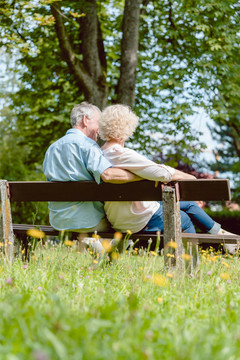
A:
180,175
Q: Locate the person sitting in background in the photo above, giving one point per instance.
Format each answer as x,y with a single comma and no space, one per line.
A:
116,124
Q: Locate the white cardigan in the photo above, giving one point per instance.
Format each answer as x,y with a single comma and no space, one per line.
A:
134,215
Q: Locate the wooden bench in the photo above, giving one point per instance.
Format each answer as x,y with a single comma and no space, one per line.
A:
170,194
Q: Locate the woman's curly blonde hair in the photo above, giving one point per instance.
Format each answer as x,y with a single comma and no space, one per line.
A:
117,122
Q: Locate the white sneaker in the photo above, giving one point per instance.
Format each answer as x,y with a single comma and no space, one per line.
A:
230,248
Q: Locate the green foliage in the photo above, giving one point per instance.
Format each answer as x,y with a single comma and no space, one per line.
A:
225,214
229,220
15,166
59,307
167,80
188,57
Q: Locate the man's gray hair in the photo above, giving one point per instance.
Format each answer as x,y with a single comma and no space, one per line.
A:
80,110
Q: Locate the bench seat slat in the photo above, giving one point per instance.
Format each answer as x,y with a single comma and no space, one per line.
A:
196,238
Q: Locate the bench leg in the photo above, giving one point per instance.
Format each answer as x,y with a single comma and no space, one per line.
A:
172,228
6,228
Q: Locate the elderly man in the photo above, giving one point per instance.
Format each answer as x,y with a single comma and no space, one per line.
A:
75,157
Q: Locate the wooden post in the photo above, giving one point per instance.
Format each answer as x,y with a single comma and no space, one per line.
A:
172,228
6,228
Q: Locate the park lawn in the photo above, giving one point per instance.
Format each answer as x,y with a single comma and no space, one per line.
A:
61,305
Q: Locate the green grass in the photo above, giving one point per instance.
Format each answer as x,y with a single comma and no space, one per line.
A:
59,306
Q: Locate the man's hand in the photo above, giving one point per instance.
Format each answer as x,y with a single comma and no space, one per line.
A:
119,176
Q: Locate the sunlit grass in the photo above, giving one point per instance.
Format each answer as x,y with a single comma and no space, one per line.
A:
63,305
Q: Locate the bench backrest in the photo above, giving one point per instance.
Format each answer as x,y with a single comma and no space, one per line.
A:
187,190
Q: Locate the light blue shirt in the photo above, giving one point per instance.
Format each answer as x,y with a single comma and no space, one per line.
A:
75,157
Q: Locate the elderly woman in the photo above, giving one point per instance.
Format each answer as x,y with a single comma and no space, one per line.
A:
116,124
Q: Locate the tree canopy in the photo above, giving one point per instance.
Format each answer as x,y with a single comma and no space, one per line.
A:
163,58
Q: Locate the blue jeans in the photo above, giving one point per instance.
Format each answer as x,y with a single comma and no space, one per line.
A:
191,214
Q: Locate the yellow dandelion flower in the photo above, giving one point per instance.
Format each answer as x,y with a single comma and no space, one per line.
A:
10,243
35,233
68,243
170,255
117,235
95,236
172,244
225,264
23,251
225,276
159,299
212,258
107,245
186,257
169,275
129,232
1,244
115,255
95,261
154,253
159,280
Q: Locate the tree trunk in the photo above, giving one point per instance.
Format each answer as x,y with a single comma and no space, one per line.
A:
94,58
129,48
90,74
236,137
